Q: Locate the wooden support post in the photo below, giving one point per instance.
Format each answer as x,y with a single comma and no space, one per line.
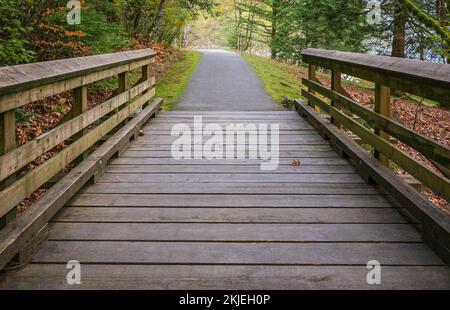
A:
336,85
382,106
79,106
123,82
312,77
7,144
147,74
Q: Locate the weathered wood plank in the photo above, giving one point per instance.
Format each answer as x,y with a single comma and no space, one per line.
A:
220,201
157,132
233,232
229,188
382,107
282,147
171,161
229,215
96,277
241,169
7,144
246,153
282,125
122,252
230,178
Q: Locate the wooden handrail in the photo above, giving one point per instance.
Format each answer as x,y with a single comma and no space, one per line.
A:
429,80
23,84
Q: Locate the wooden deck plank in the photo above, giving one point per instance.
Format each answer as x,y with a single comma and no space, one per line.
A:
229,215
282,147
171,161
285,154
234,232
218,169
231,178
282,126
125,252
257,201
230,188
187,277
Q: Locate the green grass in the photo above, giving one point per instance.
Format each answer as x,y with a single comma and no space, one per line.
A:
172,84
282,81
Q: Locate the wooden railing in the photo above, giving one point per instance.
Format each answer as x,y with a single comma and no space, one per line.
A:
24,84
376,128
427,80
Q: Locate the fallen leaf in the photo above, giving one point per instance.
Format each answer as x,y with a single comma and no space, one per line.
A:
141,133
296,163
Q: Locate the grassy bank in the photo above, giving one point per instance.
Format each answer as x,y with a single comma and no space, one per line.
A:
171,85
282,81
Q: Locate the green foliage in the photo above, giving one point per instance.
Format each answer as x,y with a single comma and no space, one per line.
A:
279,79
172,84
13,45
22,117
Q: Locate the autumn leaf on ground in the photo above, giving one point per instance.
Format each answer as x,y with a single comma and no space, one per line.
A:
296,163
141,133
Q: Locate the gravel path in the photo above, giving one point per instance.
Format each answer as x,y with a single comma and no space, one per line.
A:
224,81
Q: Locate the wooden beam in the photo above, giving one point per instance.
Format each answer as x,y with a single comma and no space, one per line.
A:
336,86
312,76
382,106
7,143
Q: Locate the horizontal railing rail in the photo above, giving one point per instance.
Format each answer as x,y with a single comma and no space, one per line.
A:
24,84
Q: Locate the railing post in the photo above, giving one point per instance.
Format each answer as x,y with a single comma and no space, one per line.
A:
147,74
79,106
312,77
123,82
382,106
336,85
7,143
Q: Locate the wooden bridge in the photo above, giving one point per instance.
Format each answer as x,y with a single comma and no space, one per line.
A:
135,217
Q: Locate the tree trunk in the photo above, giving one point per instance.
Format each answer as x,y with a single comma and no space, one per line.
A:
399,39
157,22
274,51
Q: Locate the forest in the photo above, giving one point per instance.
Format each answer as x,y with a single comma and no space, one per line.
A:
36,30
283,28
